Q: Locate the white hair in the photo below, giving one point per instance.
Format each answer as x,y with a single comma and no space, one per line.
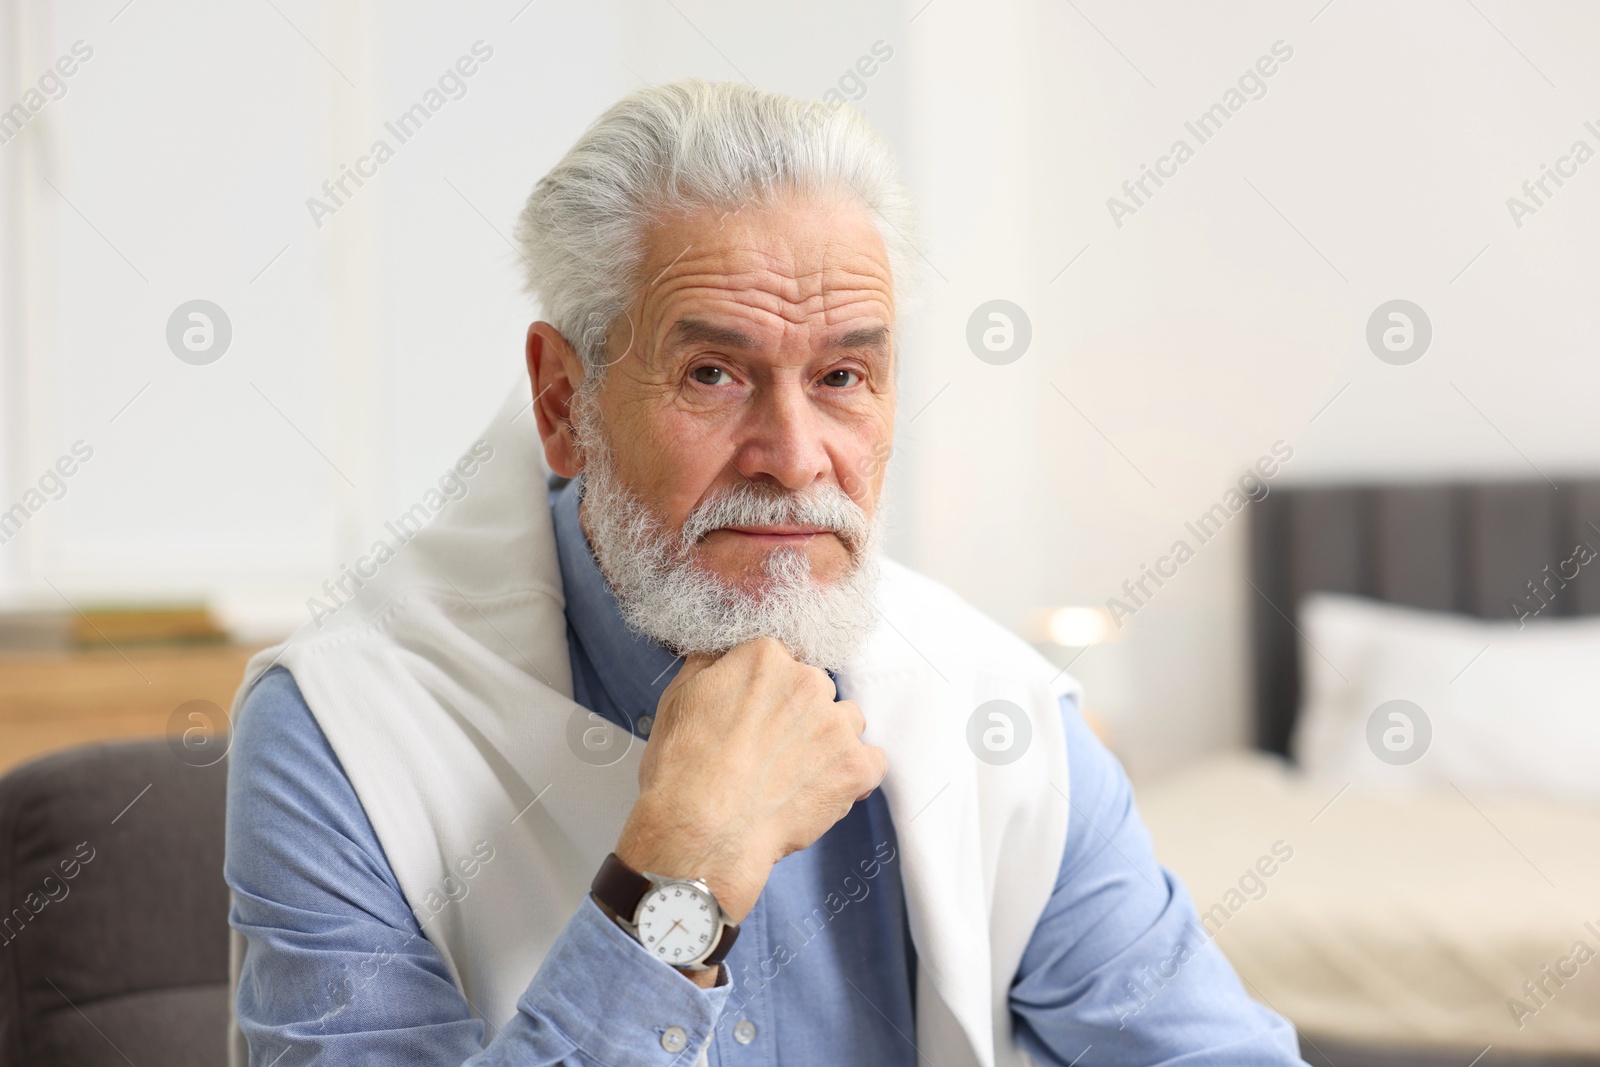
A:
680,147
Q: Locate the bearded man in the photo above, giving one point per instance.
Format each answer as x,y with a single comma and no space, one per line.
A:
664,763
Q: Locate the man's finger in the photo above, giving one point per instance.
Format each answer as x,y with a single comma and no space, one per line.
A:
879,759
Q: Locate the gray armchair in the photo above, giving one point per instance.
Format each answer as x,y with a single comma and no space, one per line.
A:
114,937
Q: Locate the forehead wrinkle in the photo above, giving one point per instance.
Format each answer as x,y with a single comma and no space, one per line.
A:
834,290
785,256
769,280
835,205
759,266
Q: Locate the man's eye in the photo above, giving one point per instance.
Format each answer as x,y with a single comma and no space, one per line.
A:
840,378
709,375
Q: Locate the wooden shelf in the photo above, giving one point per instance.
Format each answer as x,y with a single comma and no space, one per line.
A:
53,700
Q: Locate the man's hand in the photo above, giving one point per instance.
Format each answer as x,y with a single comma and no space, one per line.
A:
750,758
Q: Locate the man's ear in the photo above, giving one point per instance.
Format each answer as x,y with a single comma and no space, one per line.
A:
555,372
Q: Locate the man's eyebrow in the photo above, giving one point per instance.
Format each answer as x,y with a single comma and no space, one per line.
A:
862,337
698,331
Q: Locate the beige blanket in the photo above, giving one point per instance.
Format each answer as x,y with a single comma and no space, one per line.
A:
1444,918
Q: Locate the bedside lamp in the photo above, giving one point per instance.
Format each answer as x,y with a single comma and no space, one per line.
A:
1084,641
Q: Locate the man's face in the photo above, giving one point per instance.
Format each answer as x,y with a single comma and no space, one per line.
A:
760,352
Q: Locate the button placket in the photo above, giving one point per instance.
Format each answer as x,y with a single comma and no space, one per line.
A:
750,1023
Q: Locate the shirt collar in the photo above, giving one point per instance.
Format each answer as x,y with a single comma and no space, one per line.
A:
631,668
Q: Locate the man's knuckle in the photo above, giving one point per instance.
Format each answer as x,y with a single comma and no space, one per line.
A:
815,682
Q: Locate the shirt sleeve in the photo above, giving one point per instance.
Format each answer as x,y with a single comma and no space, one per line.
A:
1119,969
337,970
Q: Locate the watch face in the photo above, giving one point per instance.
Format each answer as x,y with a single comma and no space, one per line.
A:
678,922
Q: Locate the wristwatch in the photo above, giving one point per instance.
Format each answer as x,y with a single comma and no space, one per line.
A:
677,919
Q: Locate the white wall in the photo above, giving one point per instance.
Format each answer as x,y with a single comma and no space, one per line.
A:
367,351
1220,318
1205,328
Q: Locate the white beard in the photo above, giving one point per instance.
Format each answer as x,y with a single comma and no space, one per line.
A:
665,596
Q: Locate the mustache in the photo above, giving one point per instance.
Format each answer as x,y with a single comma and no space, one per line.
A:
823,506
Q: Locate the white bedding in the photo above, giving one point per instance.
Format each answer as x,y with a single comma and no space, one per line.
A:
1502,705
1402,917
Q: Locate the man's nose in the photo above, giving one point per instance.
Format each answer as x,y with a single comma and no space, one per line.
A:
781,438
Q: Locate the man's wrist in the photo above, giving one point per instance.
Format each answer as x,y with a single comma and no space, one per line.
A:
664,843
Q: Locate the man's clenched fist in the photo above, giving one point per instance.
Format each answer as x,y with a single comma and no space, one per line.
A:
750,758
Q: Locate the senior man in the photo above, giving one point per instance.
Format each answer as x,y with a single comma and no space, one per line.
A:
667,764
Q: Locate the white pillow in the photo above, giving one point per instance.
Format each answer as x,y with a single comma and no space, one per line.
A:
1509,706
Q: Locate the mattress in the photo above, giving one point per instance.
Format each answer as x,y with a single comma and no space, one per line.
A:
1425,920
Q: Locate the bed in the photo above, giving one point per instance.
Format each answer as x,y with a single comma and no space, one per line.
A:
1409,917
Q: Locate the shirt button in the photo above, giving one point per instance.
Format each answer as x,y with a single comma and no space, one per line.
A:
645,722
744,1031
673,1039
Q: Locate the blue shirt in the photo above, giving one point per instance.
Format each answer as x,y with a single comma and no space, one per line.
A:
337,970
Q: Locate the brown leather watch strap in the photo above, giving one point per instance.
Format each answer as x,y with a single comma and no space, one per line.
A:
730,934
619,887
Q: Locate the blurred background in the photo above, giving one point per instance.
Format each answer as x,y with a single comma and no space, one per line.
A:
1371,265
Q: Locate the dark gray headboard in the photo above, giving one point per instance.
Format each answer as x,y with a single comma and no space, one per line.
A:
1465,547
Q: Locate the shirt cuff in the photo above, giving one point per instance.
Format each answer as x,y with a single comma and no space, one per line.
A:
661,1016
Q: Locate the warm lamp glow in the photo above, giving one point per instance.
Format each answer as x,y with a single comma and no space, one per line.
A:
1077,627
